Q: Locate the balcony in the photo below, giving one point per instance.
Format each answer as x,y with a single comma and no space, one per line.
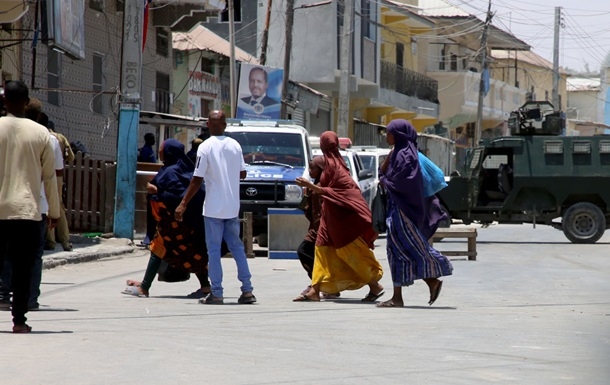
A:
407,82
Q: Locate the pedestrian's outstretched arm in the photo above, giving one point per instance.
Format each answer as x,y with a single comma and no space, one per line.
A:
192,189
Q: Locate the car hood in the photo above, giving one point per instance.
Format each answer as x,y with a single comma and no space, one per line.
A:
265,173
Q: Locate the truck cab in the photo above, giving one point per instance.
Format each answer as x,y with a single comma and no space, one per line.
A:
536,176
275,153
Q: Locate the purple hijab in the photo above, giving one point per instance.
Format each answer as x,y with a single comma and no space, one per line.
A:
404,183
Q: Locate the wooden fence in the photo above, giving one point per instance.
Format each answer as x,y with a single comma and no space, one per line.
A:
90,186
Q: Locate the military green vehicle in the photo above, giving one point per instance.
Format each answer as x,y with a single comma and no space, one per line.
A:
536,176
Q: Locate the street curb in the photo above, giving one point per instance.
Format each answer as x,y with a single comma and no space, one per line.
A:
71,257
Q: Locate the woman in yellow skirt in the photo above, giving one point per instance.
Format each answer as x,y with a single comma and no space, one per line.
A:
344,259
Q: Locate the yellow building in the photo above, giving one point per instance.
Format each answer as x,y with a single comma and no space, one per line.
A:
405,90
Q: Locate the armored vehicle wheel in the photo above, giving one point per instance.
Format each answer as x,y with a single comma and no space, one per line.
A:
584,223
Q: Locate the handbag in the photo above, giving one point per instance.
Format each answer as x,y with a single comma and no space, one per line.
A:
433,176
378,210
169,273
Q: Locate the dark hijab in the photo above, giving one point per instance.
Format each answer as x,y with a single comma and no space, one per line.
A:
345,214
404,183
173,179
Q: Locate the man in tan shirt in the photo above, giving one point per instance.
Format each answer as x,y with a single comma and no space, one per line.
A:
26,158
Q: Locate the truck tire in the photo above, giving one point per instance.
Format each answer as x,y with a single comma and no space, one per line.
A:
583,223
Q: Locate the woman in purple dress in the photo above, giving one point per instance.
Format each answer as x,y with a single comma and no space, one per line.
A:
411,218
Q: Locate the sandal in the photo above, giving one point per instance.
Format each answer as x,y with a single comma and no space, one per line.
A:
211,300
388,303
198,294
136,291
372,297
25,328
246,299
304,298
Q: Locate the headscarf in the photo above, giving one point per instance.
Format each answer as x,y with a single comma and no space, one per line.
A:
403,180
174,177
345,214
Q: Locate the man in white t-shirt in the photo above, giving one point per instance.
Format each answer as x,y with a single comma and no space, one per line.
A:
220,163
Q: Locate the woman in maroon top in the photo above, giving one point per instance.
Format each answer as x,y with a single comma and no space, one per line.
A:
343,256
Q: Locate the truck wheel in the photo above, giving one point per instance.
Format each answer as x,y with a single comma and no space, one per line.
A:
263,240
584,223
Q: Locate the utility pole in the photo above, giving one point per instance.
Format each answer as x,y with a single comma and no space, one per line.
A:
265,38
129,119
287,52
344,68
232,58
555,96
484,76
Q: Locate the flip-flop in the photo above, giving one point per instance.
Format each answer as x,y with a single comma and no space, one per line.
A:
370,297
304,298
388,303
134,290
437,292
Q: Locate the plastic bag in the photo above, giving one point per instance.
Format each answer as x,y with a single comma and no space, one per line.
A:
433,176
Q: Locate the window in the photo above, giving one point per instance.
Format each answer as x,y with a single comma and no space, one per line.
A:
162,95
441,63
207,65
224,15
53,71
206,107
98,79
454,61
98,5
368,18
162,42
119,5
400,54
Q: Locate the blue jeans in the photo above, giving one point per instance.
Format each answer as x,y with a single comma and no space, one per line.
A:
228,229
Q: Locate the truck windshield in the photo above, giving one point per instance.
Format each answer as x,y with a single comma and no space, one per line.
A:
271,148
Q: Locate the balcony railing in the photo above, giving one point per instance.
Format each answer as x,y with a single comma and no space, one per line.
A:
407,82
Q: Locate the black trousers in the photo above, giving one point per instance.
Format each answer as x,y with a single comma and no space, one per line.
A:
22,240
306,253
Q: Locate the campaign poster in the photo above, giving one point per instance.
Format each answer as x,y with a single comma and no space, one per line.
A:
259,92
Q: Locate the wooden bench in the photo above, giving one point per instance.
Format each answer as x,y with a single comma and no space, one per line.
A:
469,233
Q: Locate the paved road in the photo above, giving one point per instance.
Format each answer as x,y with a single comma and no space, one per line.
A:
532,310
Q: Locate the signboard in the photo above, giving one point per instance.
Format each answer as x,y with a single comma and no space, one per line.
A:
259,92
131,73
65,20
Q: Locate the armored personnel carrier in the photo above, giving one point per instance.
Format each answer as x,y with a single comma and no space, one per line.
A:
536,176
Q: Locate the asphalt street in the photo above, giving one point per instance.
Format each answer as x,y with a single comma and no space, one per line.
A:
533,309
